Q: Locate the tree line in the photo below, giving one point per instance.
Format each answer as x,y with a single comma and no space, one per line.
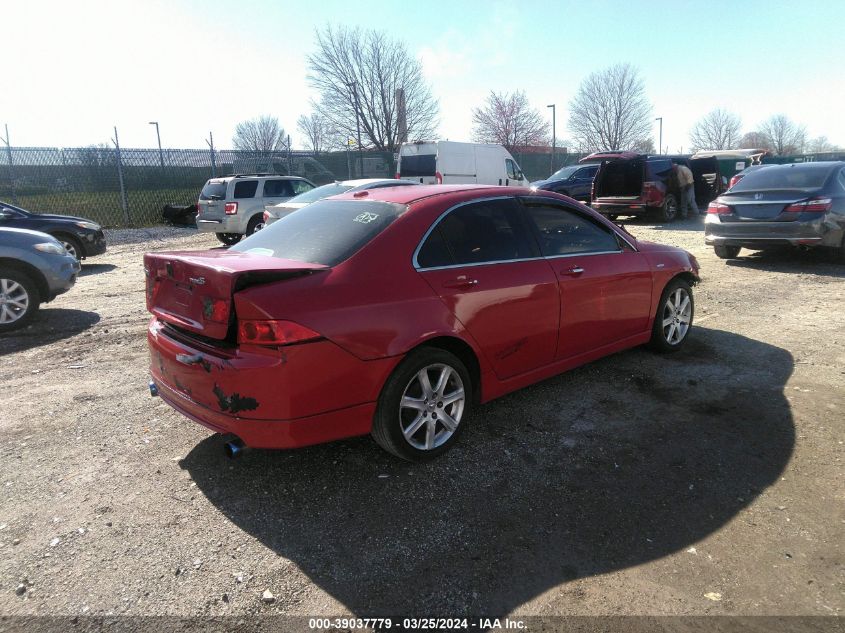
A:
372,90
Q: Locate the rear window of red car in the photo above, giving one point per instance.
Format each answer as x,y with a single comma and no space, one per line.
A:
326,232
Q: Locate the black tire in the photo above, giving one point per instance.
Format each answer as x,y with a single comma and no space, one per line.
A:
661,334
390,417
256,223
24,283
726,251
669,211
72,245
229,239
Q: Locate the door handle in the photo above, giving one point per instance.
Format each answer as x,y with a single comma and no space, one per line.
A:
572,272
460,282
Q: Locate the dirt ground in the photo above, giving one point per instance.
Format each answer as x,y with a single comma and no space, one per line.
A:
707,482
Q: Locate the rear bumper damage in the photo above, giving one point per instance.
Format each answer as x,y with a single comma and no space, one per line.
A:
284,397
274,434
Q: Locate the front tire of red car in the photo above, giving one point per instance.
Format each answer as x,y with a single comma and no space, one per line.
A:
424,405
673,321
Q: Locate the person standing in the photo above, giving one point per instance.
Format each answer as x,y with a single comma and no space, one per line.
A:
686,184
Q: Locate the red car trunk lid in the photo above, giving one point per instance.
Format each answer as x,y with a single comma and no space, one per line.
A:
193,290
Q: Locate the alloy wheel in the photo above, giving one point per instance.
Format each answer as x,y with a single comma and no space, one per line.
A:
430,412
71,249
677,315
14,301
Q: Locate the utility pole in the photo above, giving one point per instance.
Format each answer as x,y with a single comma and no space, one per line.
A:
11,176
210,142
158,138
660,143
354,87
554,140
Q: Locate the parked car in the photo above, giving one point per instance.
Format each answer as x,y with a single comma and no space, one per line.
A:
744,173
575,181
628,183
81,238
452,163
799,204
395,311
273,213
34,268
233,206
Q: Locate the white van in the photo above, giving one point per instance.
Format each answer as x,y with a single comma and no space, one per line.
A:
452,163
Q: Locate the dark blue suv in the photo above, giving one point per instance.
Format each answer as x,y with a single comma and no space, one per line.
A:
574,181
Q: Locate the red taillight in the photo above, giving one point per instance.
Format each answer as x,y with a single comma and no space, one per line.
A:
651,194
216,310
231,208
271,332
438,177
813,205
734,180
397,176
716,207
198,207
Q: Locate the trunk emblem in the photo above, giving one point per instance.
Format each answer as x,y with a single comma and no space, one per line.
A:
197,281
758,196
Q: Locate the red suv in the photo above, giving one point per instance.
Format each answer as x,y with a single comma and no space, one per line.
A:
394,311
628,183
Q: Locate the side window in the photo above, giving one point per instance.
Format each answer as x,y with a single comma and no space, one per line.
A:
245,189
300,186
842,178
487,231
277,189
434,251
564,232
512,169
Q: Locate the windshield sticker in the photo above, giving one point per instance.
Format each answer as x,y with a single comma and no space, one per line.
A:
366,217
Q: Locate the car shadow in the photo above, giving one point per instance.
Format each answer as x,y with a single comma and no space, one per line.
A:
47,326
612,465
814,261
94,269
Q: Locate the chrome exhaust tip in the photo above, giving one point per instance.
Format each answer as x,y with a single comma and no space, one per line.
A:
234,448
153,389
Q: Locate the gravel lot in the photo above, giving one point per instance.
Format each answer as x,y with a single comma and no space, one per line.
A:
708,482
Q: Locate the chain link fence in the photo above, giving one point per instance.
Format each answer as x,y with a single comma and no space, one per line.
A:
130,187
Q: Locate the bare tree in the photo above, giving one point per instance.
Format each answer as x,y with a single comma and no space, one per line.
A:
508,119
316,132
357,73
644,146
754,140
719,129
263,135
820,144
784,135
610,110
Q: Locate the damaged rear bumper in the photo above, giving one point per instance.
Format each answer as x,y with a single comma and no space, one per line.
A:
269,397
291,433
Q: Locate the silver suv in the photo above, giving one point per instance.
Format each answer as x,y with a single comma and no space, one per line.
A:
233,206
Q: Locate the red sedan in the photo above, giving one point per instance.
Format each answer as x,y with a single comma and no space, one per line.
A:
395,311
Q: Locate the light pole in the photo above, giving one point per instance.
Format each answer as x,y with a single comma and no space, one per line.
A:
554,140
354,87
660,145
158,138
